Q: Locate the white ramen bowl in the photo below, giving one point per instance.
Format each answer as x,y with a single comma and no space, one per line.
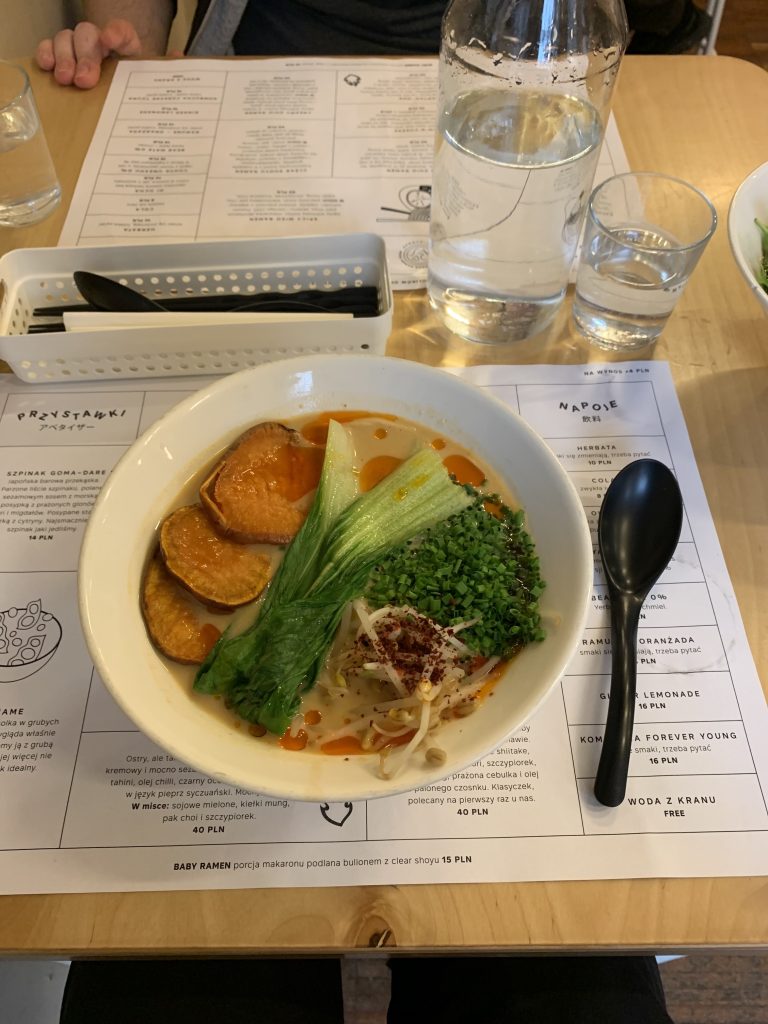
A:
149,478
749,201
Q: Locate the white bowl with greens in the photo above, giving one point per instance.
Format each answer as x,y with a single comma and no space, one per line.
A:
161,699
749,241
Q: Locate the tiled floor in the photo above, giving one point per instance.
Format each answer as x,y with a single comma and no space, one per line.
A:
744,31
717,989
31,991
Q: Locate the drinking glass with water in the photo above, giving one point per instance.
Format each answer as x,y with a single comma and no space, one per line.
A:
29,188
643,237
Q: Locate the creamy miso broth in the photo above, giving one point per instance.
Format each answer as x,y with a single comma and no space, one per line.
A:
333,711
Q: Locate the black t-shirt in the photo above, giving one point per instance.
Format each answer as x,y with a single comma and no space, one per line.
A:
311,27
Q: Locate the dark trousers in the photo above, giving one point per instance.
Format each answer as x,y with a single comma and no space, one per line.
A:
535,989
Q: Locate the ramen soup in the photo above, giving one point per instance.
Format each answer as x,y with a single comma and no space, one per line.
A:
393,677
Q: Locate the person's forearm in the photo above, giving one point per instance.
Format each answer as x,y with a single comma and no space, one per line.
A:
151,19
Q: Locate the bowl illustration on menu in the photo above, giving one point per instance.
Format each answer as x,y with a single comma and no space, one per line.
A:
29,638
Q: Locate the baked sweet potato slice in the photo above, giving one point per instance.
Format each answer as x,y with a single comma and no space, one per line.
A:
219,572
255,492
172,621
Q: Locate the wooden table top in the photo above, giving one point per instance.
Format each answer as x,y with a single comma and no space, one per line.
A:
695,117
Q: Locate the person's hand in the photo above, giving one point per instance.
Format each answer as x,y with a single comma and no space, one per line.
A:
75,56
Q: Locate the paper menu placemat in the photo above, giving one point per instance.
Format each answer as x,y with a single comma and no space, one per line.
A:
87,803
204,149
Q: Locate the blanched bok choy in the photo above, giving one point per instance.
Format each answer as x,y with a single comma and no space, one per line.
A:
262,672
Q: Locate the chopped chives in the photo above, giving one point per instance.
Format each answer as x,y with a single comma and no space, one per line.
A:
473,565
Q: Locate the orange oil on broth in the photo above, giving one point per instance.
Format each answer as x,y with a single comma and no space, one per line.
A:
209,635
374,470
381,443
294,742
490,681
292,471
345,746
350,745
315,430
464,470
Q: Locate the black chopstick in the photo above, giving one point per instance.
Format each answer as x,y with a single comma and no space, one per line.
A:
363,301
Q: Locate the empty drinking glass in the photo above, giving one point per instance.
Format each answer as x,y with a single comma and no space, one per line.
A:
29,188
643,236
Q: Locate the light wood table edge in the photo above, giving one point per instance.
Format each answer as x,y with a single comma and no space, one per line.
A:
656,915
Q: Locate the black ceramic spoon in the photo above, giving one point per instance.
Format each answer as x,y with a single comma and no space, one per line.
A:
111,296
638,530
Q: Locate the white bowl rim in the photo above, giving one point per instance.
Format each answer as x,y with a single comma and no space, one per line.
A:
378,788
746,268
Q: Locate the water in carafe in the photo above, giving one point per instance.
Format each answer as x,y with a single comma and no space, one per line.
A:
517,143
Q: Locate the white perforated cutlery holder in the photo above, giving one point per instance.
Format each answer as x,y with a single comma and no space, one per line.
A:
35,278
